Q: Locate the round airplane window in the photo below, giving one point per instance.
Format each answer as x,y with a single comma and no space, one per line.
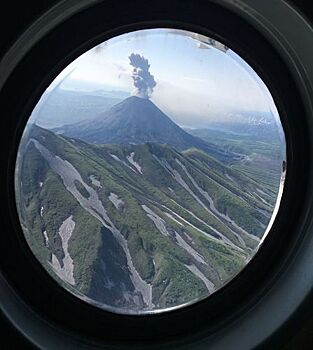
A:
150,171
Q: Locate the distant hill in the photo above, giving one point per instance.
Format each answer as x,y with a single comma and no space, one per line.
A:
136,120
59,106
137,226
263,150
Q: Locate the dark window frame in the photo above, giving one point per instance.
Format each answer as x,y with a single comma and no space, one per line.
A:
288,83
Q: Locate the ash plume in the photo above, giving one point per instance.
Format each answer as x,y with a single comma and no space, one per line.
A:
143,80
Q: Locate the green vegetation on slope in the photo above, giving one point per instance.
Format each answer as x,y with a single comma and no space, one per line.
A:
181,209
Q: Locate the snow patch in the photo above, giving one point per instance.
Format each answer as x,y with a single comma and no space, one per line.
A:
117,202
183,244
94,181
210,286
262,192
45,236
171,190
255,238
229,177
132,161
262,199
65,272
115,157
121,161
172,217
158,222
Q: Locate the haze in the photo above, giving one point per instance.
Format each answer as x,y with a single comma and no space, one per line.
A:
195,86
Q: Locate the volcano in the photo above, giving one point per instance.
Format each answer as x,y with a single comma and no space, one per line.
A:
137,121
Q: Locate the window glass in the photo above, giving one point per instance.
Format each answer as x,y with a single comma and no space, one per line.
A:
150,171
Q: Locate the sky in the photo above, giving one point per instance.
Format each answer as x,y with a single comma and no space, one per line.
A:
195,83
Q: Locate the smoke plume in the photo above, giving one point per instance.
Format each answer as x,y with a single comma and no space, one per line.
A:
143,81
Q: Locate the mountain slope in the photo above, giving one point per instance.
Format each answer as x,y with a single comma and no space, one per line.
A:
136,120
136,226
263,149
